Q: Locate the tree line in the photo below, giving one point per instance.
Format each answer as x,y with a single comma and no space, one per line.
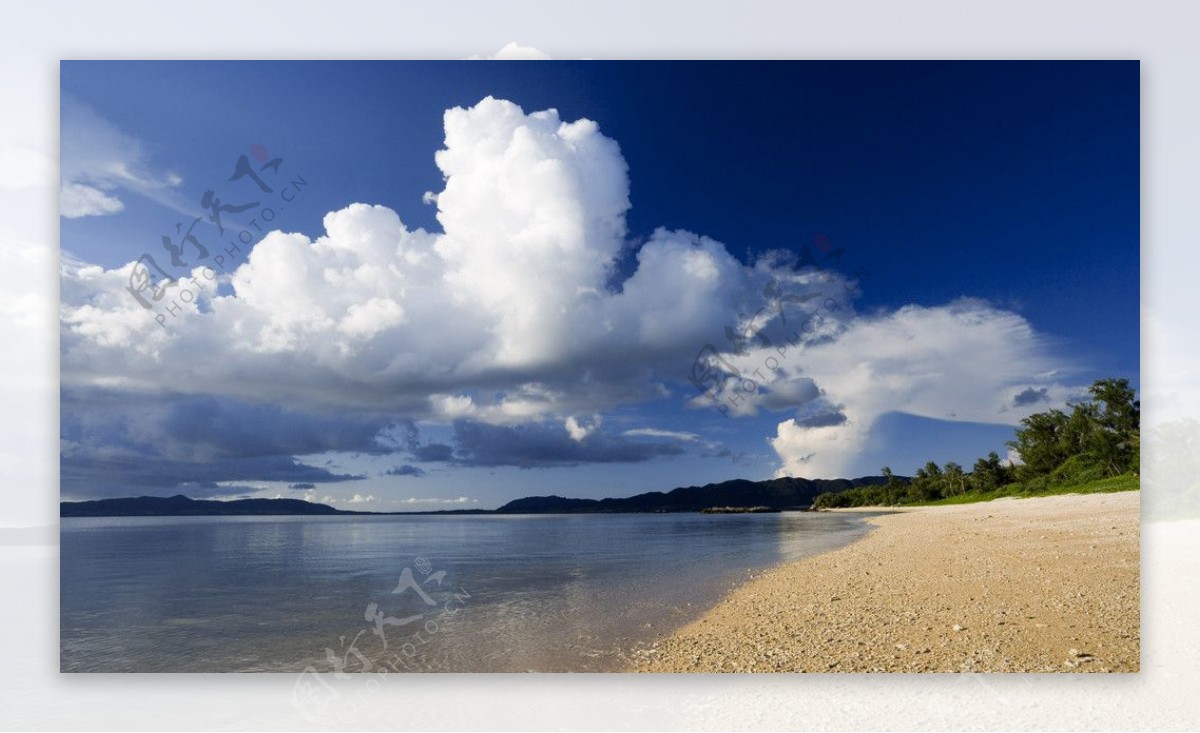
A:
1089,442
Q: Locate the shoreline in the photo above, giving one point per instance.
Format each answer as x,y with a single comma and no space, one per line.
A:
1042,584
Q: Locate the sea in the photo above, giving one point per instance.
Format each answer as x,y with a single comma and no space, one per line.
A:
407,593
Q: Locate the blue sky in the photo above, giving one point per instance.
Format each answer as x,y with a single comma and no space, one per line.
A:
990,211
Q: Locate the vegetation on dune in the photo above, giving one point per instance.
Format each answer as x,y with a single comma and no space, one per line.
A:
1093,448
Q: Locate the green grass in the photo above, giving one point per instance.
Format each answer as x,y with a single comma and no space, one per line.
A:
1099,486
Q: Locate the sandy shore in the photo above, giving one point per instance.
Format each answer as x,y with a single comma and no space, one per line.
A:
1016,585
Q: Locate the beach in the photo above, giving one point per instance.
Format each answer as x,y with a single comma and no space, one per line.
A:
1047,584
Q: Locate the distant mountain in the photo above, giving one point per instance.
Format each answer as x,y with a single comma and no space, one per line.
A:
180,506
780,493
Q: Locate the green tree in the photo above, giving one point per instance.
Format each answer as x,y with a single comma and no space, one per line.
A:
926,484
894,490
1041,443
1115,438
954,481
990,473
1092,440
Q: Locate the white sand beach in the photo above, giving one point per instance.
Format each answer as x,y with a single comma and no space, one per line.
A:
1046,584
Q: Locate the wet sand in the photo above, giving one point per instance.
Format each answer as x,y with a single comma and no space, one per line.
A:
1046,584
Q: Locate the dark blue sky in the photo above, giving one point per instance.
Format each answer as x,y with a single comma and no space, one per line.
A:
1012,182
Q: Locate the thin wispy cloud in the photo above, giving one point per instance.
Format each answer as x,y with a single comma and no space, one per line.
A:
656,433
101,164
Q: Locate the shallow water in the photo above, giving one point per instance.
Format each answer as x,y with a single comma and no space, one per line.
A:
487,593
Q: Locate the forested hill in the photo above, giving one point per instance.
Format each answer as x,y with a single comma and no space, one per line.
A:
182,506
780,493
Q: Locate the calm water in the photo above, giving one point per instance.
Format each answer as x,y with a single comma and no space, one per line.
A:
500,593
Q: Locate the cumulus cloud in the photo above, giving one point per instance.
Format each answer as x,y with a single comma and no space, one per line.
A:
510,323
507,316
961,362
579,431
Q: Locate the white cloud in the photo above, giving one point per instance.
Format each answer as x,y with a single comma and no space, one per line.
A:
822,452
364,320
1013,458
962,362
78,200
579,431
510,316
458,500
506,316
656,433
533,213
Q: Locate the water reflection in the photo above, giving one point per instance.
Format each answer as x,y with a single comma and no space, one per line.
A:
549,593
